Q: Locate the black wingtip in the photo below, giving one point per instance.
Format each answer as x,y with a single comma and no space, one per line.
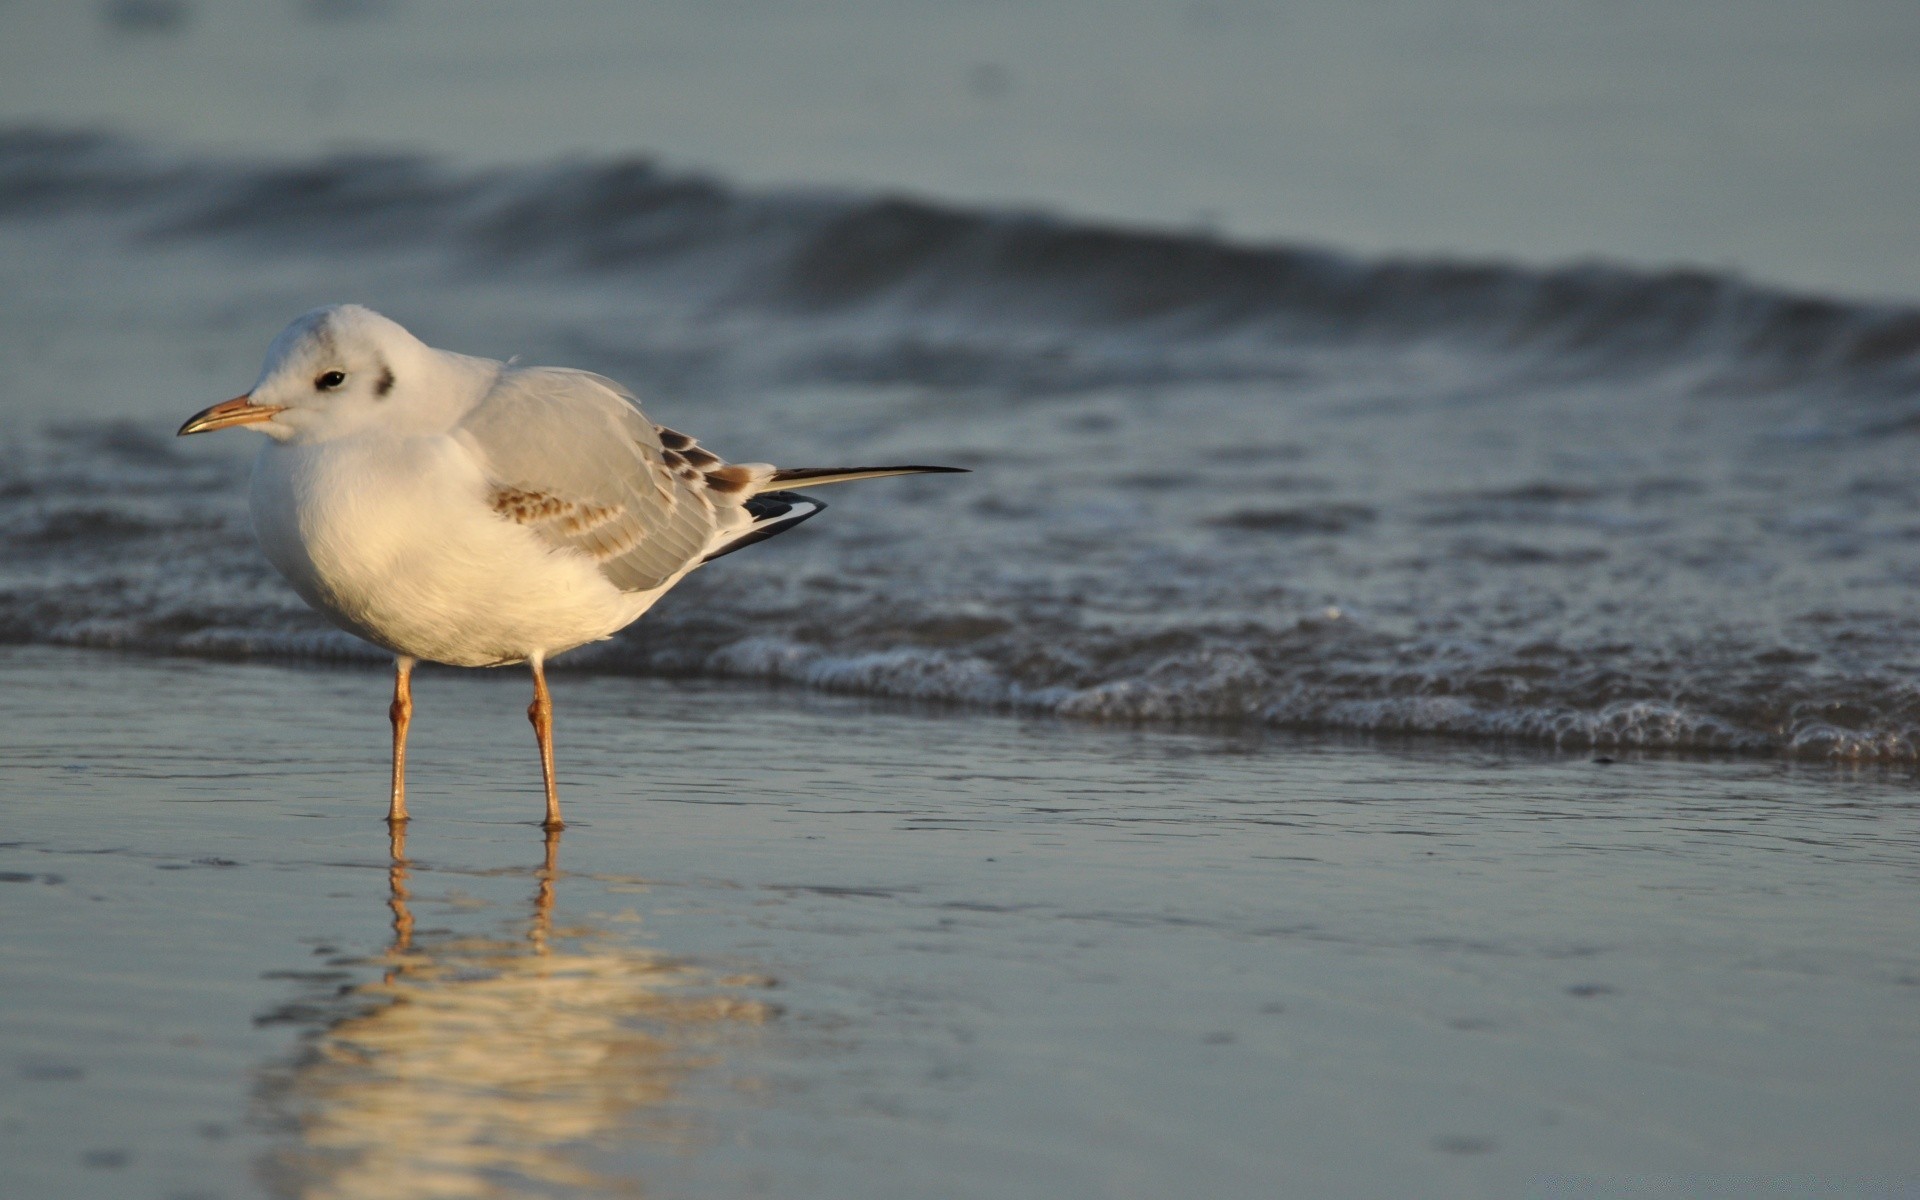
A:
773,513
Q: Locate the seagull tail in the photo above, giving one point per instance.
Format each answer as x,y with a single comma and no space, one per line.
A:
816,476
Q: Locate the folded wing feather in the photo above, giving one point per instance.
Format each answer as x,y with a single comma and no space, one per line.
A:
570,455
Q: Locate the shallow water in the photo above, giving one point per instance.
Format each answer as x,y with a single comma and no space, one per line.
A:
809,946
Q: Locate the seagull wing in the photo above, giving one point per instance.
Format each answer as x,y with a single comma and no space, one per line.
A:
570,455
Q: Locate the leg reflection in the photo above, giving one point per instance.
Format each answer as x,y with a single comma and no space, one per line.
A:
542,927
397,893
483,1058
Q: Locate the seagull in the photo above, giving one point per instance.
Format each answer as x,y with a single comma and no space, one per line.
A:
477,513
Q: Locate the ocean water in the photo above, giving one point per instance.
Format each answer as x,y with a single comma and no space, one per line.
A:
1767,136
1586,506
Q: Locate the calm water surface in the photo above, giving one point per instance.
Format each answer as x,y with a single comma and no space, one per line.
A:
797,946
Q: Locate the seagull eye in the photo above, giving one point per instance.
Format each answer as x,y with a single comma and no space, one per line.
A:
330,381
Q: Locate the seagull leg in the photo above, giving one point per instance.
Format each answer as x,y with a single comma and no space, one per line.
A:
540,712
400,712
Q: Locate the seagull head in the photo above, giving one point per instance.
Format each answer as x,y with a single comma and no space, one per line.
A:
337,371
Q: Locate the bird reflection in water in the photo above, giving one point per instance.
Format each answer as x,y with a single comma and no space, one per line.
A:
493,1065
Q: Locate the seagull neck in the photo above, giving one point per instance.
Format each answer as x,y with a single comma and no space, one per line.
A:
464,381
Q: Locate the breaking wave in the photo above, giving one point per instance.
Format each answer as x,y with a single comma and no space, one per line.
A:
821,253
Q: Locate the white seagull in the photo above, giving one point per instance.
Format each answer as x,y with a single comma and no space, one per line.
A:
476,513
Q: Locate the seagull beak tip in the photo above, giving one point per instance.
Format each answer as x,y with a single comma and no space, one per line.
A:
241,410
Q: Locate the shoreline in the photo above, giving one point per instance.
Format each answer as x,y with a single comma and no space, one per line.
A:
792,690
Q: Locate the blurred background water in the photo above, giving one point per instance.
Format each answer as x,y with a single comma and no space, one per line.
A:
1760,136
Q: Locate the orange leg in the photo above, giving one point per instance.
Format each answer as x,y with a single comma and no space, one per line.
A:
400,712
540,712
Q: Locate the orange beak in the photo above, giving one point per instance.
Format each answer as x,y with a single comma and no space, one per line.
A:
241,410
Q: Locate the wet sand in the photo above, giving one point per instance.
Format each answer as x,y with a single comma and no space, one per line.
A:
796,945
